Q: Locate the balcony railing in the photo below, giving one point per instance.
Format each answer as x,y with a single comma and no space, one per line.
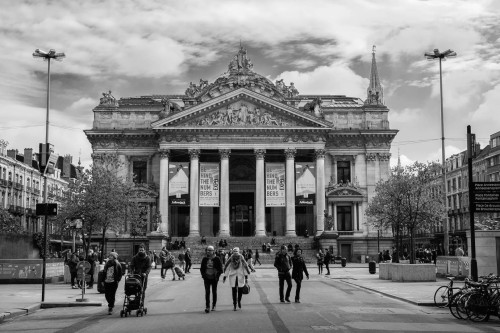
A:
18,186
36,191
345,233
3,182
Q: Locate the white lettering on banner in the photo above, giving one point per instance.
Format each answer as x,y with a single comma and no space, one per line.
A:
209,185
275,185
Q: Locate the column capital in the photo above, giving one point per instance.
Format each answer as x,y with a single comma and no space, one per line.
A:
319,153
290,153
384,156
371,157
224,153
259,153
194,153
164,153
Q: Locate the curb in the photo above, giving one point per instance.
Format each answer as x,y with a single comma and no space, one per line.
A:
391,296
19,312
48,305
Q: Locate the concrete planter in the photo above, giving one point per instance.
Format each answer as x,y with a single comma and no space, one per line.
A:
407,272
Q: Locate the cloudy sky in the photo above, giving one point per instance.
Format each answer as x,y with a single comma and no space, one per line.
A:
136,48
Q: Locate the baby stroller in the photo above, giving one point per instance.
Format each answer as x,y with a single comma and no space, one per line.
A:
134,296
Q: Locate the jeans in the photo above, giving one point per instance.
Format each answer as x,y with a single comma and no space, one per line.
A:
188,266
237,293
210,283
73,277
327,268
110,292
297,289
282,278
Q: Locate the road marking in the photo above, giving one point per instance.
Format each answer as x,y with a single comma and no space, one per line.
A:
278,324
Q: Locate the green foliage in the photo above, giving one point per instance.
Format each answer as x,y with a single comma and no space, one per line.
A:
38,242
8,223
405,203
136,220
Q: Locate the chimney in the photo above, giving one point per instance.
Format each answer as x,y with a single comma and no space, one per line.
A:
12,153
28,156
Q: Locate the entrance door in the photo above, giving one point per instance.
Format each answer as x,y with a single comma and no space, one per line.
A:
345,251
242,214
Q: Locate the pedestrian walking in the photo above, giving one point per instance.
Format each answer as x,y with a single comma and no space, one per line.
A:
257,256
182,260
327,259
72,265
298,270
283,264
91,258
156,259
187,258
211,270
141,265
237,270
113,275
320,257
167,262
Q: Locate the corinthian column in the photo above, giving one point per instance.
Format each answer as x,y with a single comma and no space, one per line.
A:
320,190
224,193
260,209
290,192
194,209
163,200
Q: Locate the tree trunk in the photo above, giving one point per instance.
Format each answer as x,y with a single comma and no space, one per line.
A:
412,246
103,249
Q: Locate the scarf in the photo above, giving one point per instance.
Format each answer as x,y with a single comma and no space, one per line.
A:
235,260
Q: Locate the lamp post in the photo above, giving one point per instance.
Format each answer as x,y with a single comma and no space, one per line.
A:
442,56
46,56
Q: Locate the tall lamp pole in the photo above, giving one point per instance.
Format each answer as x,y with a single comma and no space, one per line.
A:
442,56
46,56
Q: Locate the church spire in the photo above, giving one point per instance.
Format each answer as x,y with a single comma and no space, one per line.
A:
375,91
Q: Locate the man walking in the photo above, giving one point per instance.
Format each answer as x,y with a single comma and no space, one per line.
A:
187,258
141,264
283,264
211,269
327,259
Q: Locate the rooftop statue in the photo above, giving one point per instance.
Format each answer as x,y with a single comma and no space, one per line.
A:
240,62
108,99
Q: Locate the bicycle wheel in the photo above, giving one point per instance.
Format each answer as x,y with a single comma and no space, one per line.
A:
453,305
460,305
441,297
477,307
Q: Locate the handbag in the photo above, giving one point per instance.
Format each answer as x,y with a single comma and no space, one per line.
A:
246,288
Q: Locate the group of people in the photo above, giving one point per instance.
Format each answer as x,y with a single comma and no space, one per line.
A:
72,262
324,259
167,261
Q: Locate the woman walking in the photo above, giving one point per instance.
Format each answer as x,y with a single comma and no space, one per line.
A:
113,275
320,256
299,267
211,269
237,270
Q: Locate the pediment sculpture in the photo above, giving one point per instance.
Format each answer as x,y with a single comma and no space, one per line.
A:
241,113
108,99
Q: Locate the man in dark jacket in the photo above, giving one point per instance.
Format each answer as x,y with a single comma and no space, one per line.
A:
210,269
92,259
187,258
72,265
141,264
112,276
283,264
326,260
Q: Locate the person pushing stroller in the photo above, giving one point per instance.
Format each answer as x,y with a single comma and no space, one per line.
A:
141,265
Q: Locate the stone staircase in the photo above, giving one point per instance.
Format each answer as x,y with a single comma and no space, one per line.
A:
254,243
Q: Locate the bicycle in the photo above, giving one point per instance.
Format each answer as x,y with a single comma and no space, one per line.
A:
444,294
484,301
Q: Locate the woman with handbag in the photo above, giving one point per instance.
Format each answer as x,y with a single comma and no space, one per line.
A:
236,268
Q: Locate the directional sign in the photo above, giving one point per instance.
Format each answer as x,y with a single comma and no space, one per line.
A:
83,268
486,197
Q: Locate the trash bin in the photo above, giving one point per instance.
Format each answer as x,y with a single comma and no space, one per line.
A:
372,267
343,261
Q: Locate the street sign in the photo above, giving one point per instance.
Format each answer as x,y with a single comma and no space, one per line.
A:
486,197
83,268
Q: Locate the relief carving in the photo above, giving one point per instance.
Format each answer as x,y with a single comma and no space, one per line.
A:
290,153
260,153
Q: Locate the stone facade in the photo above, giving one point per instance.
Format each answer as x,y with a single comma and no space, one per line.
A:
245,124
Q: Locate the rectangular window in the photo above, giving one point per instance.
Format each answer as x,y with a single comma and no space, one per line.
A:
343,172
344,218
140,169
459,182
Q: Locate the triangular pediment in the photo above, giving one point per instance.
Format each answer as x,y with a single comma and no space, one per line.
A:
344,190
241,108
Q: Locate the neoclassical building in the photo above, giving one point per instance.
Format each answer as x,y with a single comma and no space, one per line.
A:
243,156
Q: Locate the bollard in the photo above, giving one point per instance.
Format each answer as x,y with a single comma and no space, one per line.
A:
343,261
372,267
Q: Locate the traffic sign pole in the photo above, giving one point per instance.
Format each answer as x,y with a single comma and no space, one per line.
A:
473,261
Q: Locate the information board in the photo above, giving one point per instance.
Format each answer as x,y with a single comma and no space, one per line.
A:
486,197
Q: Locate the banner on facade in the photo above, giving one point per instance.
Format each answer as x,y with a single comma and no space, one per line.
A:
209,185
305,184
275,185
178,184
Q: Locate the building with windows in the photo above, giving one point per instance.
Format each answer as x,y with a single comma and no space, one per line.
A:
22,184
245,157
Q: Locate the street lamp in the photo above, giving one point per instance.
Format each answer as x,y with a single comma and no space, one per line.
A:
46,56
442,56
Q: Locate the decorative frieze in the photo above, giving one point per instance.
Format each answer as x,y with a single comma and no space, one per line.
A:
384,156
370,157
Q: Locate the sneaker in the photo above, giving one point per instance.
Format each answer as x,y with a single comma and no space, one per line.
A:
213,307
282,301
74,287
297,301
110,311
287,300
173,279
207,310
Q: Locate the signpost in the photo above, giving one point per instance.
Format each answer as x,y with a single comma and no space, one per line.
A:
83,268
